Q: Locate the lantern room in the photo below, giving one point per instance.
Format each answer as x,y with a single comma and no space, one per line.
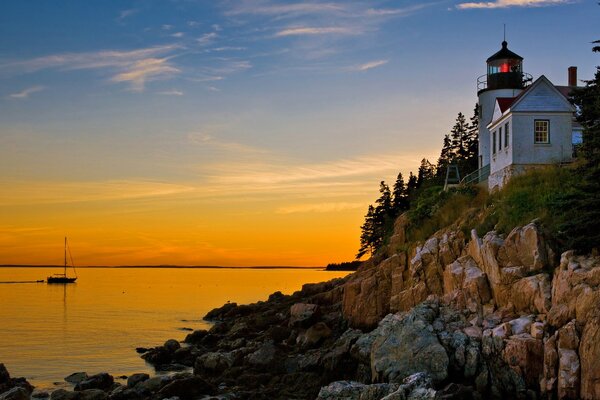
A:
505,70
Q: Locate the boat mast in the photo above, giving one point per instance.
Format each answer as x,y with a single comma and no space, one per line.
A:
65,256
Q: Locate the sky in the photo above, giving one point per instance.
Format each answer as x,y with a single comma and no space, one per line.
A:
237,133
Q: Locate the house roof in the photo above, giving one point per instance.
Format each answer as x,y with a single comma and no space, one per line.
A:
505,102
504,53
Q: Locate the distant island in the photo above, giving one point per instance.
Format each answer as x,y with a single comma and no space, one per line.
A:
343,266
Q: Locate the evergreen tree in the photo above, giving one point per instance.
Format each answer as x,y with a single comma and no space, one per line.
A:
458,134
400,201
580,210
471,141
367,235
426,173
411,185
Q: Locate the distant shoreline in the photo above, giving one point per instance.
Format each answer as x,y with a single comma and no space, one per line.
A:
160,266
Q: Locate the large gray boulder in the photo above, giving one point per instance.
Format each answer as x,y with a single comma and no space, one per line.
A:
405,344
16,393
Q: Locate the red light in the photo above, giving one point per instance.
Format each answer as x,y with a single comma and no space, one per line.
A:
504,67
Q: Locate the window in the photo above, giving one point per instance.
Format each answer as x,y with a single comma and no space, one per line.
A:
542,131
494,142
506,126
500,139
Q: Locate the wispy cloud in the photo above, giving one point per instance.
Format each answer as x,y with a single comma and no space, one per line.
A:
513,3
126,13
369,65
70,192
173,92
247,7
207,38
135,67
24,94
301,31
145,70
326,207
397,12
177,35
204,139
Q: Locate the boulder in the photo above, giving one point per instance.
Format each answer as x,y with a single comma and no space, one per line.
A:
62,394
532,294
101,381
186,388
525,246
171,345
264,356
550,371
405,345
214,362
16,393
314,335
302,314
568,374
525,355
589,351
76,377
349,390
134,379
93,394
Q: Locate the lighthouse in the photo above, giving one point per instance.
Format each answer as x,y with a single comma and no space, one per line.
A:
504,79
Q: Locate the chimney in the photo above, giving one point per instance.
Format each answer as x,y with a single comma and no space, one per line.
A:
572,76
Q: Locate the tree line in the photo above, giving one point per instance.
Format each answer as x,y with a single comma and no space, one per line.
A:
459,148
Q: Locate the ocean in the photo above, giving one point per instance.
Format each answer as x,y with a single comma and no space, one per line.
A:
50,331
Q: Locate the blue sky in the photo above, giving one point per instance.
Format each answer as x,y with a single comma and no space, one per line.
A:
298,108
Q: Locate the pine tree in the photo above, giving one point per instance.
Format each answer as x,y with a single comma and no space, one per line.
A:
580,210
458,134
471,141
367,234
411,185
400,201
426,173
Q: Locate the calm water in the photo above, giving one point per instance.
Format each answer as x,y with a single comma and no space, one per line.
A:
50,331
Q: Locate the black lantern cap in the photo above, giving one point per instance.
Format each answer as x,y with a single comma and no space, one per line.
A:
504,53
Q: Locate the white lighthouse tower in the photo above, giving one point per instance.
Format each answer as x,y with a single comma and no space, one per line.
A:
504,78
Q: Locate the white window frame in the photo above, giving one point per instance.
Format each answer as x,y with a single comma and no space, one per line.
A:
538,128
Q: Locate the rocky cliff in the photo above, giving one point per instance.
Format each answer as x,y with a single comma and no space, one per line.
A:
512,319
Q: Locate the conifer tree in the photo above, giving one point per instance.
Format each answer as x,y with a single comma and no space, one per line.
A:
411,185
367,234
426,173
400,202
581,209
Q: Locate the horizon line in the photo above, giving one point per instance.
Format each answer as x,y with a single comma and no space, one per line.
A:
164,266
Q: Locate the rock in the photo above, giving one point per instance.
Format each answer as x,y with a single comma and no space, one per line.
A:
62,394
6,382
93,394
550,371
134,379
124,393
196,336
16,393
349,390
187,388
589,351
568,374
171,345
101,381
152,385
214,362
537,330
525,356
313,335
406,346
532,294
302,314
568,338
40,395
521,325
525,246
264,356
76,377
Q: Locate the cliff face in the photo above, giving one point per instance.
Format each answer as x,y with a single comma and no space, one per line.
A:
526,322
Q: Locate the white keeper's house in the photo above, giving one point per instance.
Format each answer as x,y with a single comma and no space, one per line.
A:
523,123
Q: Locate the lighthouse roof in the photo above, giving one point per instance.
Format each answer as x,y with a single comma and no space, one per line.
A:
504,53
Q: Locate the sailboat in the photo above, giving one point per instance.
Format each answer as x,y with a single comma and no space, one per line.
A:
63,278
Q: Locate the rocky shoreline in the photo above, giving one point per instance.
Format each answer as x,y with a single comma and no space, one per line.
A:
477,318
